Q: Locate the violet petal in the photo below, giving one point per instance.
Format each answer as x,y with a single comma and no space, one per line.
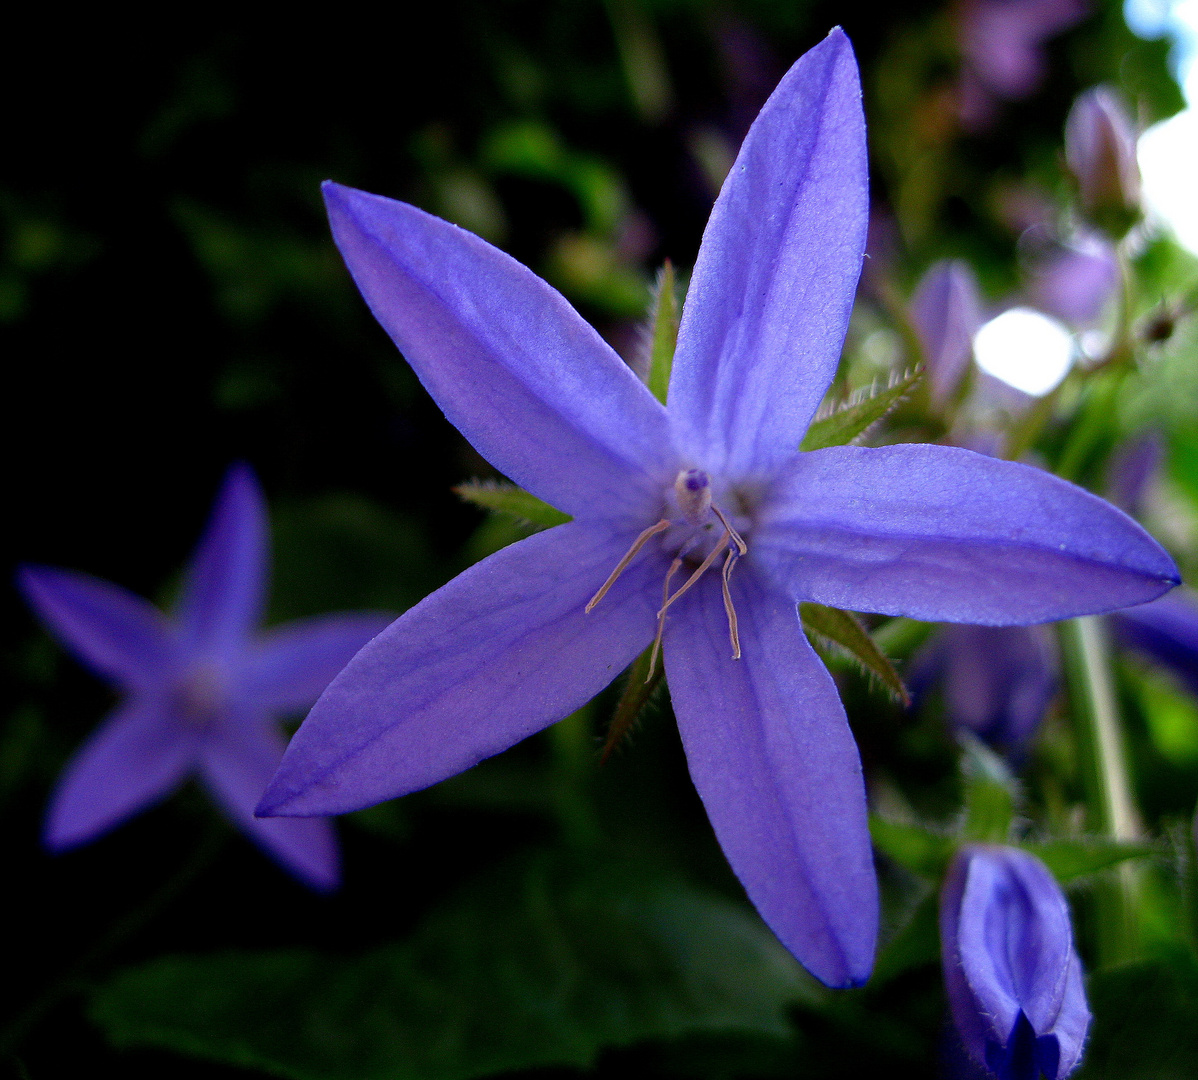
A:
944,534
289,666
225,584
773,285
511,364
947,311
1165,631
773,759
134,758
501,652
118,634
236,764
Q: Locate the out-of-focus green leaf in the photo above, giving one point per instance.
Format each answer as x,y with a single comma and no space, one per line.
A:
515,502
663,331
545,964
1143,1026
1074,858
859,414
843,629
990,790
918,848
916,943
342,551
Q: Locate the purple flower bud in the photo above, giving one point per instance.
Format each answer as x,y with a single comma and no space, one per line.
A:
1133,470
1013,977
1100,147
1074,281
998,680
947,310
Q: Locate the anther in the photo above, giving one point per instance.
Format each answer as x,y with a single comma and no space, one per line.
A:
622,565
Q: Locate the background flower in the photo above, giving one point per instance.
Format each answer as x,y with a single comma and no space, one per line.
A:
202,689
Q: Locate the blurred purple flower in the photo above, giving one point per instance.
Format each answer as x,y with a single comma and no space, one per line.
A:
947,311
1012,974
1002,50
1100,148
997,680
716,483
201,688
1074,281
1132,470
1166,631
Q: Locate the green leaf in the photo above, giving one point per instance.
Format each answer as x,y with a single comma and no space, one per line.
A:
504,498
663,331
1143,1026
922,850
544,964
916,943
990,790
842,628
1077,858
860,413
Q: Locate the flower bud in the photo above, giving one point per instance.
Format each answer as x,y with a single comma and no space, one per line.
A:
997,680
1100,149
947,310
1013,977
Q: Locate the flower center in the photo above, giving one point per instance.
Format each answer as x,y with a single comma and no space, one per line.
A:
689,527
200,695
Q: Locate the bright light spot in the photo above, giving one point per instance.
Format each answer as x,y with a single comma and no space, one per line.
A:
1025,349
1168,154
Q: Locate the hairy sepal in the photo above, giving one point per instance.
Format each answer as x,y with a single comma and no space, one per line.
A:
864,409
845,631
500,497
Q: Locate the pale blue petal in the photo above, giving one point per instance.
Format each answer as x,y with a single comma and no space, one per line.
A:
773,285
224,589
773,759
944,534
236,764
289,666
136,757
119,634
514,368
503,650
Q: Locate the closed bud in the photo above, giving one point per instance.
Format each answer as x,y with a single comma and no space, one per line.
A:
947,311
1012,974
1100,149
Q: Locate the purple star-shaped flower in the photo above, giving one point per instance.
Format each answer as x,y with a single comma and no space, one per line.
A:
1013,977
707,509
202,689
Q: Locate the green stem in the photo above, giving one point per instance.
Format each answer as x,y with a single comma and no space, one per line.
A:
1112,809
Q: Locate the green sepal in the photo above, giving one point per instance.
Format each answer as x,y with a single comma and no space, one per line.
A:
638,691
504,498
663,331
844,629
921,849
859,413
1079,857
